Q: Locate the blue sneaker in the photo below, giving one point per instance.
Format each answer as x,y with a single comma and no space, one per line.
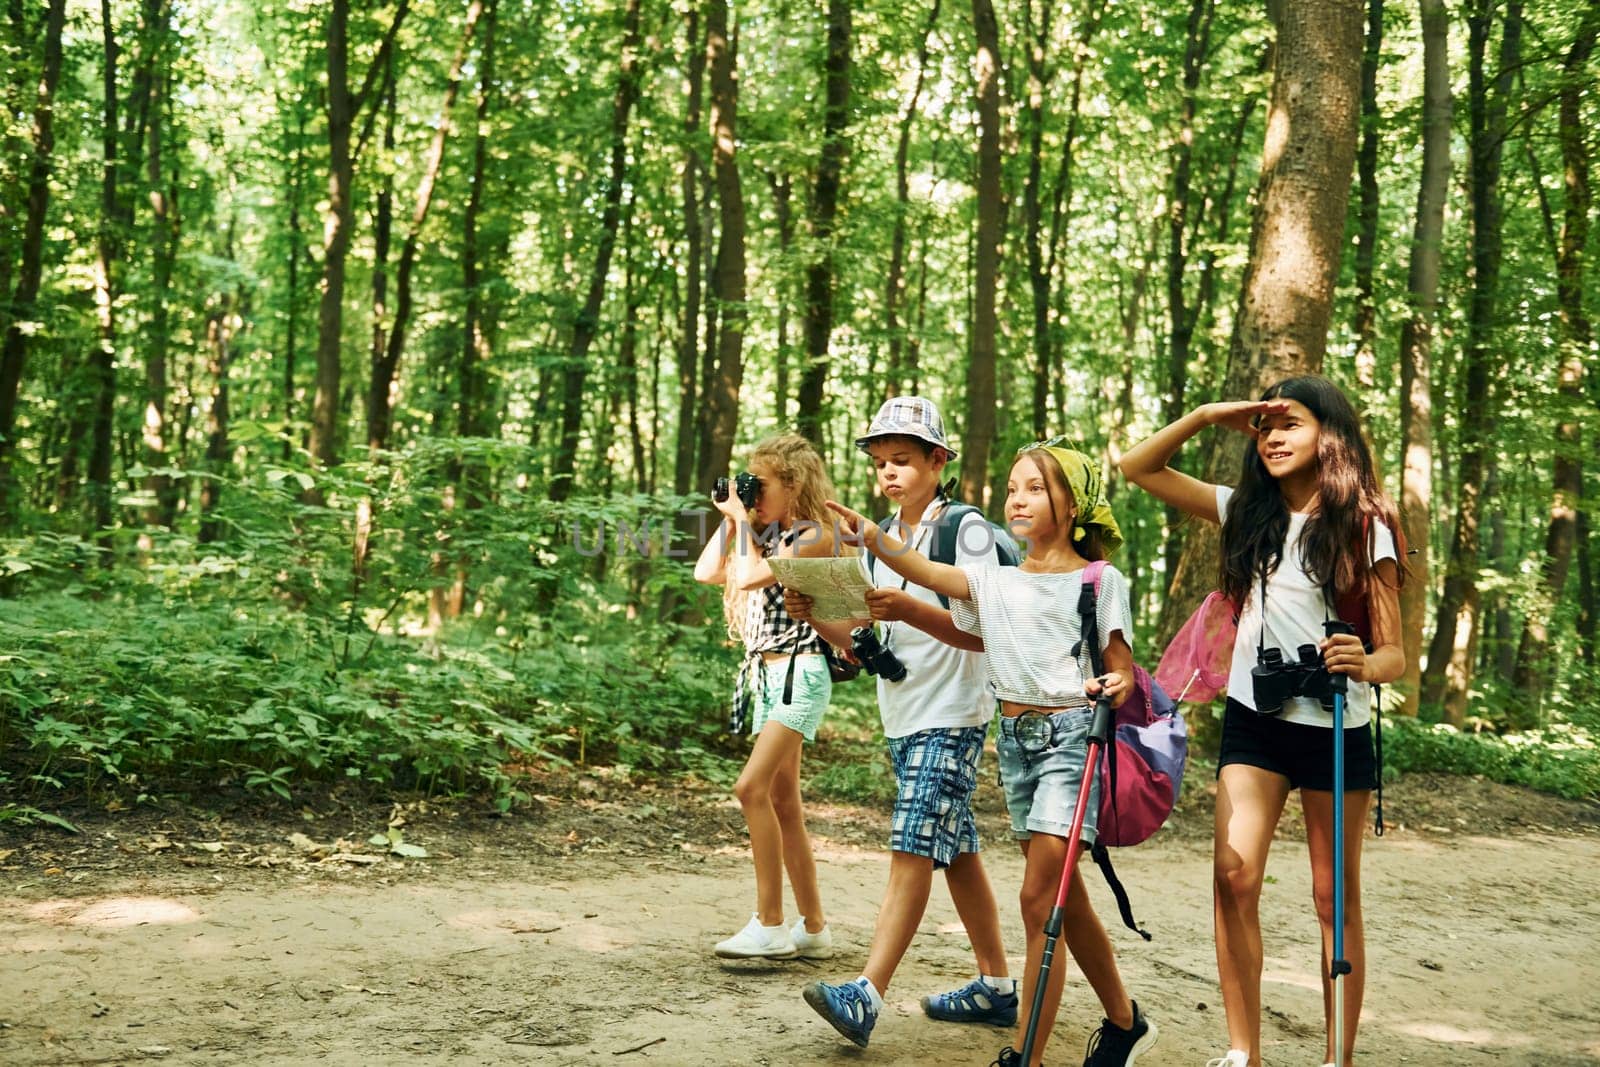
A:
975,1002
846,1006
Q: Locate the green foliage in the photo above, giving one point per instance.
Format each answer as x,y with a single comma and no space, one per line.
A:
1563,760
274,657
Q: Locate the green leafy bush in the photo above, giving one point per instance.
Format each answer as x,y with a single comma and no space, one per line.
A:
1564,760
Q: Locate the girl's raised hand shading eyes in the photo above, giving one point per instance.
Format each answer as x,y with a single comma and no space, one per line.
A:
1241,415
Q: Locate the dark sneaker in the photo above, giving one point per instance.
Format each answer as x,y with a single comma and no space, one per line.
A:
1112,1046
975,1002
846,1006
1009,1057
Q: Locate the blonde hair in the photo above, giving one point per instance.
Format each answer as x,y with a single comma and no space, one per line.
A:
792,460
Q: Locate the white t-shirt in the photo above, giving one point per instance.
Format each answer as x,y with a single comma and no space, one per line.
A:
1296,609
944,686
1029,624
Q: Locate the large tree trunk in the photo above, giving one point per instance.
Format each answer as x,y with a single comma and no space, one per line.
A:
103,361
980,420
729,282
588,323
894,287
1449,673
1532,669
343,106
824,209
382,241
1416,341
14,354
386,360
1286,299
475,351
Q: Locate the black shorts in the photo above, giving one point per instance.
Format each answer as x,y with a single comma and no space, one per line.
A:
1303,754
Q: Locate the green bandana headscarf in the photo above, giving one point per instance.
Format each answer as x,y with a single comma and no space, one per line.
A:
1088,494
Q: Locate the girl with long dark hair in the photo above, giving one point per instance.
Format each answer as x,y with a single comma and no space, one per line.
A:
1307,535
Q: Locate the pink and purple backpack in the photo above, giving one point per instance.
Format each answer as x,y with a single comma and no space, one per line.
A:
1142,773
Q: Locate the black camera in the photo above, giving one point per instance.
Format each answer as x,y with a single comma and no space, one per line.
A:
866,647
1276,681
745,484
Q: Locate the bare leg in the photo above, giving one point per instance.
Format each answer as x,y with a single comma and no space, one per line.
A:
904,902
775,747
1085,937
797,857
1319,839
1249,801
973,897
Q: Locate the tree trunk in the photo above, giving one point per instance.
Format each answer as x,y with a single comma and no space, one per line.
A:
15,352
782,195
980,420
475,350
164,237
1286,298
1197,46
894,287
1449,673
824,209
382,240
219,357
1416,342
729,283
103,361
588,322
1366,314
1040,74
683,470
296,249
1533,671
386,360
343,106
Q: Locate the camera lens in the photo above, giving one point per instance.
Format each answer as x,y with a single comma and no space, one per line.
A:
719,491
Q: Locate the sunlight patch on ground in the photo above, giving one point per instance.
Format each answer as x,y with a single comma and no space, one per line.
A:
116,913
1455,1035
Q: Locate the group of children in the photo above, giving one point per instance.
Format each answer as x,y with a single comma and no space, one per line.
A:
1306,527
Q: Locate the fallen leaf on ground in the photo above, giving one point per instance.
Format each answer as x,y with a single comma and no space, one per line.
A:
361,858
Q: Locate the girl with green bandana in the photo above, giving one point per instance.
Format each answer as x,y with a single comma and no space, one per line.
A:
1028,619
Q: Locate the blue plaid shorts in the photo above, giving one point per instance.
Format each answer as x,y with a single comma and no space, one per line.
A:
937,770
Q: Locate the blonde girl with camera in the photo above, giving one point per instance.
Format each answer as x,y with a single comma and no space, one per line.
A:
783,685
1307,527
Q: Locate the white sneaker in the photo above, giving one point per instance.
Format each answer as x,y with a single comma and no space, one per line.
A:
809,946
757,942
1234,1058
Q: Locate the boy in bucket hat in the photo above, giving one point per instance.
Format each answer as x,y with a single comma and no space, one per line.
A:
935,719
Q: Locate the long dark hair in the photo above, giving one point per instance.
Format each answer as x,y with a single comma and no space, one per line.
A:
1348,497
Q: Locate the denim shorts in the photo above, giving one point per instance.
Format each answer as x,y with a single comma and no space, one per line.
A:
813,688
936,771
1042,787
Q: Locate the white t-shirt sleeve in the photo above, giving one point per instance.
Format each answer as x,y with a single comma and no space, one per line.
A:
1383,546
1111,607
964,613
1224,495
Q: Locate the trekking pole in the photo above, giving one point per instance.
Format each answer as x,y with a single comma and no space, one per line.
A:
1339,684
1099,737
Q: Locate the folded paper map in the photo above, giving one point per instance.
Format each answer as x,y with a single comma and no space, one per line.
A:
836,585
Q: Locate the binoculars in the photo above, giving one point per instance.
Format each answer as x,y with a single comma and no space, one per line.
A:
876,659
1276,680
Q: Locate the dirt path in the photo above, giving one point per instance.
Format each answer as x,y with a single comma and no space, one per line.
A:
518,945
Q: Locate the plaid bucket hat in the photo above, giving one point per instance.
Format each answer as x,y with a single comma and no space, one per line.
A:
907,416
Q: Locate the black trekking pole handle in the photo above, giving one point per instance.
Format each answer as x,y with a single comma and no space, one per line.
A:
1099,735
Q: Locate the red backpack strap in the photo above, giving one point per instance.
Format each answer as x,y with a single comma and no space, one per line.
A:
1092,573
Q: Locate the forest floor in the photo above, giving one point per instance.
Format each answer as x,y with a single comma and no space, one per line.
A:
579,932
